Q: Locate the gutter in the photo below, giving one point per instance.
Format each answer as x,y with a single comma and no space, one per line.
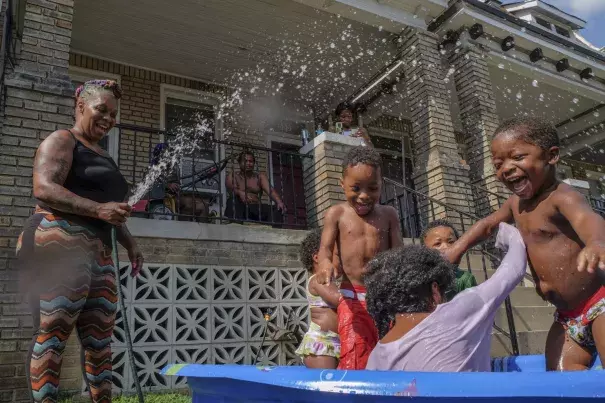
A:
458,5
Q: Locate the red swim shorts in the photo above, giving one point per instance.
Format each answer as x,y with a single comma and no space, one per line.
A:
356,328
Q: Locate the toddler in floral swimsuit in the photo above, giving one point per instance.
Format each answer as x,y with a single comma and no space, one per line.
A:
320,346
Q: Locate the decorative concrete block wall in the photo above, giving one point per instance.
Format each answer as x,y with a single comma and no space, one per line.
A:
207,314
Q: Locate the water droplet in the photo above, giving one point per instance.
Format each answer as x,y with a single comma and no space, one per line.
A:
576,100
534,83
501,66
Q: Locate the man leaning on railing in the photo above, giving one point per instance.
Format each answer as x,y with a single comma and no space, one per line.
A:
246,188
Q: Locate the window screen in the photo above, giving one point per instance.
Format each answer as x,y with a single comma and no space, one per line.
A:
193,120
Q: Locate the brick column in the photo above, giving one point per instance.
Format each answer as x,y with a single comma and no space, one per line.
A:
38,101
439,171
480,120
322,173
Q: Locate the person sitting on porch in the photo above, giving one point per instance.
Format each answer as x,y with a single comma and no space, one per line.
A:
407,288
246,188
344,115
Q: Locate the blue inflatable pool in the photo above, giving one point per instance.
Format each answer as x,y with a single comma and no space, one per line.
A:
515,379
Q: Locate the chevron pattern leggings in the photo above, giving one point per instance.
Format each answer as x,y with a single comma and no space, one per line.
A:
72,285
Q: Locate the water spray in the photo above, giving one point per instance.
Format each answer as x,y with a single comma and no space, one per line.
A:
114,255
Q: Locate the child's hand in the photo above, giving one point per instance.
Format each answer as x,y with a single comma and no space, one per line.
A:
507,236
592,257
326,272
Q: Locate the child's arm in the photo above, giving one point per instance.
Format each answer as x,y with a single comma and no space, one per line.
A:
511,269
589,226
328,293
479,232
326,247
395,236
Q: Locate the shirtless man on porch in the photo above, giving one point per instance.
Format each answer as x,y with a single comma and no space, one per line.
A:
246,188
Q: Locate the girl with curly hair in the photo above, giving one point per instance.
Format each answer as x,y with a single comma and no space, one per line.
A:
407,288
320,347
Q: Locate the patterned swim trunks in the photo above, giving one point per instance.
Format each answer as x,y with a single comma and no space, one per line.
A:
577,322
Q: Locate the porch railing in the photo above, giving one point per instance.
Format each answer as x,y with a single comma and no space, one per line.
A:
597,203
416,210
195,189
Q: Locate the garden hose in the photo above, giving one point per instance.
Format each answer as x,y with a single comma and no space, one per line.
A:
114,253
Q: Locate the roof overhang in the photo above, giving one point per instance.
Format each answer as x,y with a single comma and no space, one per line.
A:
391,15
549,11
498,25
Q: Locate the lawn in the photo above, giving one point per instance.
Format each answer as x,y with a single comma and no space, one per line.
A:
149,398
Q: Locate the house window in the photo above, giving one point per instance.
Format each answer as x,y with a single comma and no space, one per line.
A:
562,31
111,142
544,23
193,123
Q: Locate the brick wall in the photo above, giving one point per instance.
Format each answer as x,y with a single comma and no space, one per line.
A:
322,175
38,101
480,120
439,171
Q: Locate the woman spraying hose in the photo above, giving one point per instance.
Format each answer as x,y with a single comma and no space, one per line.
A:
64,252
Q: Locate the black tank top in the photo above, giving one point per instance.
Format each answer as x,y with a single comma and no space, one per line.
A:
94,177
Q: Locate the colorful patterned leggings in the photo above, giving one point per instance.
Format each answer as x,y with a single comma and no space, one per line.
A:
72,284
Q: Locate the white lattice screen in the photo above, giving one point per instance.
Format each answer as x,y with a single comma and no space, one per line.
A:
207,315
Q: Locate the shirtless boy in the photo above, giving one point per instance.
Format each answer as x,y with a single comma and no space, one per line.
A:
360,228
565,239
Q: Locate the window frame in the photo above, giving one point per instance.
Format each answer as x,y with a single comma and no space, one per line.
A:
202,98
82,74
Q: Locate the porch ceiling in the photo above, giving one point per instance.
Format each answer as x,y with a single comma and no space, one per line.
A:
210,40
517,95
595,154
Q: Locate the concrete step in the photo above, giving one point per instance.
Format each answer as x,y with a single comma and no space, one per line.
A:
526,296
529,343
527,318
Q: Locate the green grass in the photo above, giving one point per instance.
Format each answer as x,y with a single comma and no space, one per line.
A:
149,398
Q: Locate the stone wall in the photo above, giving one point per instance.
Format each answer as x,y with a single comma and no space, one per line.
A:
439,170
480,120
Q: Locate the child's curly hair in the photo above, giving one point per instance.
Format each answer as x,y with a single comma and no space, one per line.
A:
362,155
532,130
92,87
309,247
436,224
400,280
